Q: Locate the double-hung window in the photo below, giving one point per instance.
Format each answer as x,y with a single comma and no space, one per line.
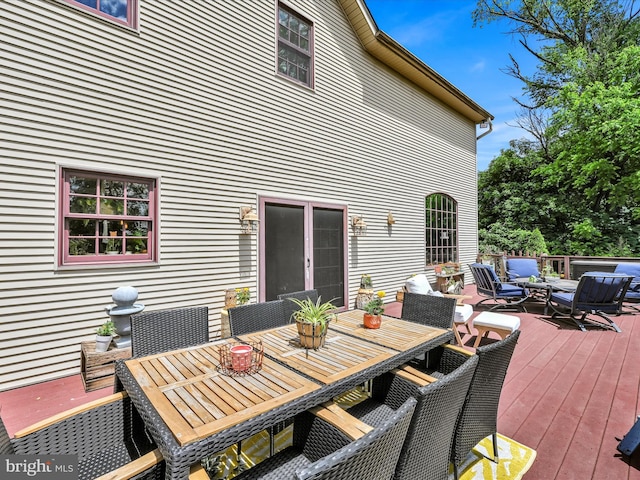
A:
107,218
295,47
441,213
120,11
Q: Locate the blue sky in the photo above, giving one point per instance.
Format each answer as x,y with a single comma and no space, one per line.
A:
441,34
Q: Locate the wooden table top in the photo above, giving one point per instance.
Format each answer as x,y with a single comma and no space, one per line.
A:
342,355
196,400
401,335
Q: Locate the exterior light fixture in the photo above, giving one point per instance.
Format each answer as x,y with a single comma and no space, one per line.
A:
390,219
444,235
248,220
359,226
484,124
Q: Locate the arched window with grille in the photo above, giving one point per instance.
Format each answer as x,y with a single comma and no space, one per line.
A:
441,214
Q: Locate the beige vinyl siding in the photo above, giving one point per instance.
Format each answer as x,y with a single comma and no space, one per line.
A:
193,99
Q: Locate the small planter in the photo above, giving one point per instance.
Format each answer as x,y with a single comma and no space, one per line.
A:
103,342
371,321
312,335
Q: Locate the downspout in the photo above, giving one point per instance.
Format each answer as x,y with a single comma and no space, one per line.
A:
487,121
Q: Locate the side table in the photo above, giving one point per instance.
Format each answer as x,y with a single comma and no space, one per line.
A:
443,278
98,368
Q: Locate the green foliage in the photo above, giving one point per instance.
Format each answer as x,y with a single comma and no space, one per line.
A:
375,306
107,329
314,312
579,183
503,238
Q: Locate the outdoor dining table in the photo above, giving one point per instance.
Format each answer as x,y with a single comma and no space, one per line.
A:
193,409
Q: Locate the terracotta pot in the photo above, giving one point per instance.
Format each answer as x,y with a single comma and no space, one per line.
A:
372,321
312,335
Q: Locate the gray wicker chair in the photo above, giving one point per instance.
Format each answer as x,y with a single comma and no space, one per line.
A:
479,414
429,310
426,450
290,307
321,451
105,434
164,330
257,316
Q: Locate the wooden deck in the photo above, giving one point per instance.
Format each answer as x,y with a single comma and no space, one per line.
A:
568,394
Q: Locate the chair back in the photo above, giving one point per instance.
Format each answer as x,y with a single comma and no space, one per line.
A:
374,455
289,306
431,310
426,450
164,330
478,417
257,316
601,291
521,268
6,448
487,282
104,437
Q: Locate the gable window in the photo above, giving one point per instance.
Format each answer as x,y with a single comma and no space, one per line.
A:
107,218
120,11
295,46
441,229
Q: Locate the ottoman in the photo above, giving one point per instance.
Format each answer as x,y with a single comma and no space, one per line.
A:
500,323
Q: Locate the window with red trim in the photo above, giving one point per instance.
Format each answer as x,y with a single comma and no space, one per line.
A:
295,46
107,218
121,11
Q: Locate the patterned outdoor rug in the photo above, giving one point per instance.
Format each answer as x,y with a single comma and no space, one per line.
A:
515,461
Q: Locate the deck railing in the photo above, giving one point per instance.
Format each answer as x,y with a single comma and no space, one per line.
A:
567,266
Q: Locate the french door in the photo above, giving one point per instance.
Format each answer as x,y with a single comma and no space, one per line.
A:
303,245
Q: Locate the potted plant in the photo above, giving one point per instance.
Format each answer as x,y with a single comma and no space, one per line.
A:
104,335
312,320
374,309
243,295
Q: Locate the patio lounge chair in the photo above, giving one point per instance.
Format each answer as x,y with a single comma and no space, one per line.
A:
489,285
521,268
426,450
633,292
322,450
597,293
107,435
164,330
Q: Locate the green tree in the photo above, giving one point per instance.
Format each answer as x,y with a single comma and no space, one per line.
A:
582,107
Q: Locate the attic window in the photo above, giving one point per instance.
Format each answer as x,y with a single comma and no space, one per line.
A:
295,46
124,12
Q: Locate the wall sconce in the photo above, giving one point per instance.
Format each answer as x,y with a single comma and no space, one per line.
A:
248,220
390,219
359,226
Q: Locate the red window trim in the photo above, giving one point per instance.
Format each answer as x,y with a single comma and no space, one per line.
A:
66,260
132,12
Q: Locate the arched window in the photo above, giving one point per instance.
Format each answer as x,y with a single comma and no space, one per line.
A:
441,214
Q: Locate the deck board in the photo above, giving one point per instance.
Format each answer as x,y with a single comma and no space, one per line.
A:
568,394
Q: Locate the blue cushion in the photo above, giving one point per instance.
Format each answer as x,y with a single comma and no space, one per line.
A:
522,268
629,269
562,298
511,291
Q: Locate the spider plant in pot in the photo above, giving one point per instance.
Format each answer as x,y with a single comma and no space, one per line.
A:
312,320
373,311
104,335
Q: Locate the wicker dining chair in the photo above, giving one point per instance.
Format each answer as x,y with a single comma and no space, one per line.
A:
257,316
290,307
429,310
164,330
107,435
479,415
426,449
321,451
